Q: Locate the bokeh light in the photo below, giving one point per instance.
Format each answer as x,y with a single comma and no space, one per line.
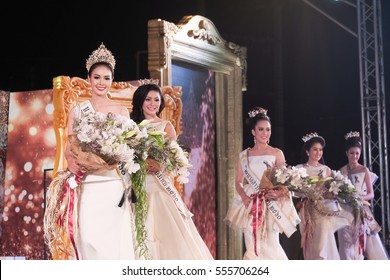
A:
31,150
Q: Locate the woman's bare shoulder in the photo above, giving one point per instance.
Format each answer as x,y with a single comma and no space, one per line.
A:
170,130
276,151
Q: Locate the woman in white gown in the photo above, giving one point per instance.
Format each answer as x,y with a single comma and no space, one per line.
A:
98,225
261,213
364,242
320,218
171,232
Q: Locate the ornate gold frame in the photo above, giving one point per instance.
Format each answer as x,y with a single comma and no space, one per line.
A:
195,40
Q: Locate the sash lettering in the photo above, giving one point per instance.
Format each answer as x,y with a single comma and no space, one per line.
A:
166,183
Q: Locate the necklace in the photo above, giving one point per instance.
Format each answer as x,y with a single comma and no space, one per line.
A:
307,164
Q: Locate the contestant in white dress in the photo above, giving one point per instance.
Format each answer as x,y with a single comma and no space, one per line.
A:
99,219
320,218
171,232
262,214
364,242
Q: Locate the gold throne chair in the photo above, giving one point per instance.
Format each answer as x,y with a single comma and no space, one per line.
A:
69,91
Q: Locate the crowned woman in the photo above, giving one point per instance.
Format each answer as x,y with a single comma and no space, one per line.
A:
260,210
357,243
322,215
88,214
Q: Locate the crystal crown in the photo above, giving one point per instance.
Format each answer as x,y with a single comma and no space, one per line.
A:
351,134
309,136
257,111
102,54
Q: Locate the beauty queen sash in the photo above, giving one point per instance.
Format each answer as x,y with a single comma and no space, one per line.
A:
166,182
281,215
69,198
168,186
86,107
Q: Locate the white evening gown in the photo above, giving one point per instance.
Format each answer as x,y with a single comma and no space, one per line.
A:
171,235
326,216
349,247
105,229
239,217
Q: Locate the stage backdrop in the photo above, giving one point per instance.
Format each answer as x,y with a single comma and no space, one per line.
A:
198,138
4,105
30,154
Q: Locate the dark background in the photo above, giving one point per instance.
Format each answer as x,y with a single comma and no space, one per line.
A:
302,67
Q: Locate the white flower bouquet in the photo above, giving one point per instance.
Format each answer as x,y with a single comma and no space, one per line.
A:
170,155
150,143
110,137
343,190
116,139
296,180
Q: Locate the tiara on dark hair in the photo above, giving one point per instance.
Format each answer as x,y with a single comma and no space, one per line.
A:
148,82
313,135
309,136
256,111
351,134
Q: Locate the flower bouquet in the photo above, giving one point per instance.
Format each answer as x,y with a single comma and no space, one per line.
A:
117,139
106,136
167,152
297,181
171,157
345,192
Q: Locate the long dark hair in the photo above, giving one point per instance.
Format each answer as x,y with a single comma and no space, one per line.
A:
139,97
352,142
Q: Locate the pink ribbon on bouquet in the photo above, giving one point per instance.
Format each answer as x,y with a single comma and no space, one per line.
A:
68,206
257,213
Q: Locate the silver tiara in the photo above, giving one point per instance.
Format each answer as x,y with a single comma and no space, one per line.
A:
351,134
309,136
255,112
148,82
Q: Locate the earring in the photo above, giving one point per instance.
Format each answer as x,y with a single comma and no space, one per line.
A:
254,140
